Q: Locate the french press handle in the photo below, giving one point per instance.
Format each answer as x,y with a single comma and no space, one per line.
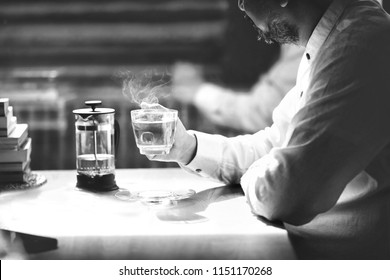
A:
117,133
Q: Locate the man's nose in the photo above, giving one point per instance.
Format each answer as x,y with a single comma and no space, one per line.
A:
241,5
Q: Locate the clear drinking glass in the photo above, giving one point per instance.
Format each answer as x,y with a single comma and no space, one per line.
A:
154,130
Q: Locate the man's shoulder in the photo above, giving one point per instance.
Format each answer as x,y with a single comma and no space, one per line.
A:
363,30
364,22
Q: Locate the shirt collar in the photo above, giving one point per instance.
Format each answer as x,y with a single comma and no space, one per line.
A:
324,27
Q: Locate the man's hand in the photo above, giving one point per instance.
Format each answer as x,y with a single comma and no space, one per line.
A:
184,146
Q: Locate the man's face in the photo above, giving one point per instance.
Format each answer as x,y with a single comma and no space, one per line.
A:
270,21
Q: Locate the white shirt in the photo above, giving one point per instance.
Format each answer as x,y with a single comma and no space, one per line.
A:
323,167
251,111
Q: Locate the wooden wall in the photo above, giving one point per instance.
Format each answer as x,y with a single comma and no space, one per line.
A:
117,32
76,48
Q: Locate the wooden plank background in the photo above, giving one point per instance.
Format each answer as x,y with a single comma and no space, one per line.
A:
53,33
76,47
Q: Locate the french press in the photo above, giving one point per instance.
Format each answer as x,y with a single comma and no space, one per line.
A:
97,133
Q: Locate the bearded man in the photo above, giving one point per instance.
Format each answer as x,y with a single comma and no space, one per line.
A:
323,167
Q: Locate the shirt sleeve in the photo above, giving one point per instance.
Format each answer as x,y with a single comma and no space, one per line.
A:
227,159
251,111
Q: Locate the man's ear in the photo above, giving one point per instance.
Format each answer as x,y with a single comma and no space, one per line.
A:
283,3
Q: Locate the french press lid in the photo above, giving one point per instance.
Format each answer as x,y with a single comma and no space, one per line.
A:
86,112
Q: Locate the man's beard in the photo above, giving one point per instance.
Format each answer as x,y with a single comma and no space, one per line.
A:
279,31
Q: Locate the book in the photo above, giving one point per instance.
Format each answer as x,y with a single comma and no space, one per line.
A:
20,155
14,177
17,136
14,166
5,120
5,132
4,103
11,147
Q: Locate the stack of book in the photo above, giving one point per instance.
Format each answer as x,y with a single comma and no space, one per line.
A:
15,146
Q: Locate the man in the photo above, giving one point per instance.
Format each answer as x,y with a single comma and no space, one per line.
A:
247,111
323,167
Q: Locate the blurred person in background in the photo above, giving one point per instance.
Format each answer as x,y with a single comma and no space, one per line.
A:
241,110
322,168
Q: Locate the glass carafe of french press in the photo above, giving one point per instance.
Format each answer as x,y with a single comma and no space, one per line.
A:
96,134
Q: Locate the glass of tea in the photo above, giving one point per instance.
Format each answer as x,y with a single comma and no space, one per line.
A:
154,130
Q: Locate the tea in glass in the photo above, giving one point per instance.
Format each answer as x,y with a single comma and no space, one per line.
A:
154,130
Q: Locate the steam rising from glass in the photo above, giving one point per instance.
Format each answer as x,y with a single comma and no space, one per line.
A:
145,87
